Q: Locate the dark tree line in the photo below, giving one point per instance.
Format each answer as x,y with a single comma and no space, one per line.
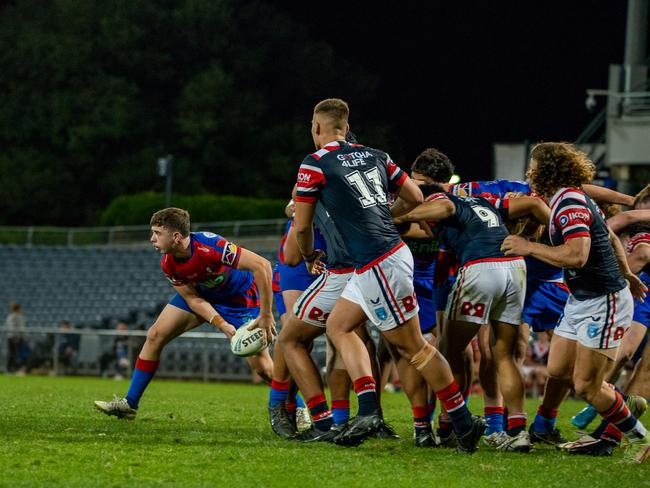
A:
92,92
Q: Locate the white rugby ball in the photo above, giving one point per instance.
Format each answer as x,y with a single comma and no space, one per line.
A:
248,342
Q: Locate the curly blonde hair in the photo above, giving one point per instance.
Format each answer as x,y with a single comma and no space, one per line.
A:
557,165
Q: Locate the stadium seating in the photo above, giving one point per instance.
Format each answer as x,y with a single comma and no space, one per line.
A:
95,287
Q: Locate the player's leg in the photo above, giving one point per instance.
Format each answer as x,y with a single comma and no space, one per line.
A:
279,378
339,384
453,345
171,323
512,385
492,400
411,345
639,383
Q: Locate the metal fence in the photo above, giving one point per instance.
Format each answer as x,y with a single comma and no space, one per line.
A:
130,234
202,356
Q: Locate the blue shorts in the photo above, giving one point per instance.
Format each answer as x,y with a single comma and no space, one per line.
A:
544,304
279,303
235,316
295,277
642,312
441,293
427,313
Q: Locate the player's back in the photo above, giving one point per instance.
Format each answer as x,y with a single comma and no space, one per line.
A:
474,232
354,182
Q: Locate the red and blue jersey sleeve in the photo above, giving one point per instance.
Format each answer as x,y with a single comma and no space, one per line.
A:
310,181
221,251
573,218
396,176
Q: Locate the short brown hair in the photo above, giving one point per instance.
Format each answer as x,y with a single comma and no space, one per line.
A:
642,197
559,164
336,110
172,218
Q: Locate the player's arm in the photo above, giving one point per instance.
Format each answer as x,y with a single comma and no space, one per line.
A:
623,219
410,196
436,210
292,255
304,229
605,195
522,206
637,287
639,257
574,253
262,274
204,309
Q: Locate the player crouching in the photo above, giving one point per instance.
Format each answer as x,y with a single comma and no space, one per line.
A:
216,282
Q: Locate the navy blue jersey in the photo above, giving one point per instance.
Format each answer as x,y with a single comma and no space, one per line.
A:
354,183
337,254
475,231
573,215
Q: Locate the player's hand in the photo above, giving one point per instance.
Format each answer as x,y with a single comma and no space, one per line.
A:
316,266
515,246
267,324
228,329
637,287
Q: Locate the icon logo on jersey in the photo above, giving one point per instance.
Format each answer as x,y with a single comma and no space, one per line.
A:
593,330
564,220
229,253
381,314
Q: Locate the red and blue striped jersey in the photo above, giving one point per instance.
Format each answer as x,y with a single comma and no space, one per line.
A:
354,183
211,268
489,190
573,215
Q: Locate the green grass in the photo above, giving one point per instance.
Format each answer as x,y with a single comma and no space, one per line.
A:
194,434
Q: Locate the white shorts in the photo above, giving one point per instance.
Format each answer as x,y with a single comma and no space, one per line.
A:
597,323
489,290
317,301
384,289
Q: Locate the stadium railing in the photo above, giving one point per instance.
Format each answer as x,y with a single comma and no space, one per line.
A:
202,356
130,234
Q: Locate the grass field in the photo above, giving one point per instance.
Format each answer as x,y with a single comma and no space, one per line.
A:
194,434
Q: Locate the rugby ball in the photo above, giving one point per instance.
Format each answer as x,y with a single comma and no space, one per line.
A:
248,342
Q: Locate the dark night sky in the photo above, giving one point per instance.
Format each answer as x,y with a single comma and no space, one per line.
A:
462,75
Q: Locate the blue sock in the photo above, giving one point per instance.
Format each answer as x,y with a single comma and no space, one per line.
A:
142,375
278,393
299,402
340,411
494,419
544,420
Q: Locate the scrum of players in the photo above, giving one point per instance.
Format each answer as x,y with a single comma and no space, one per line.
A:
439,269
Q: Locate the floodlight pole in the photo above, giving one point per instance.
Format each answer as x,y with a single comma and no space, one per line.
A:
165,169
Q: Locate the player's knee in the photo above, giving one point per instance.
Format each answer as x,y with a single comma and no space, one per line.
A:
154,337
587,389
423,357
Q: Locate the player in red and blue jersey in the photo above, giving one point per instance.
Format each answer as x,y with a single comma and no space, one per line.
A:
354,183
600,307
215,282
